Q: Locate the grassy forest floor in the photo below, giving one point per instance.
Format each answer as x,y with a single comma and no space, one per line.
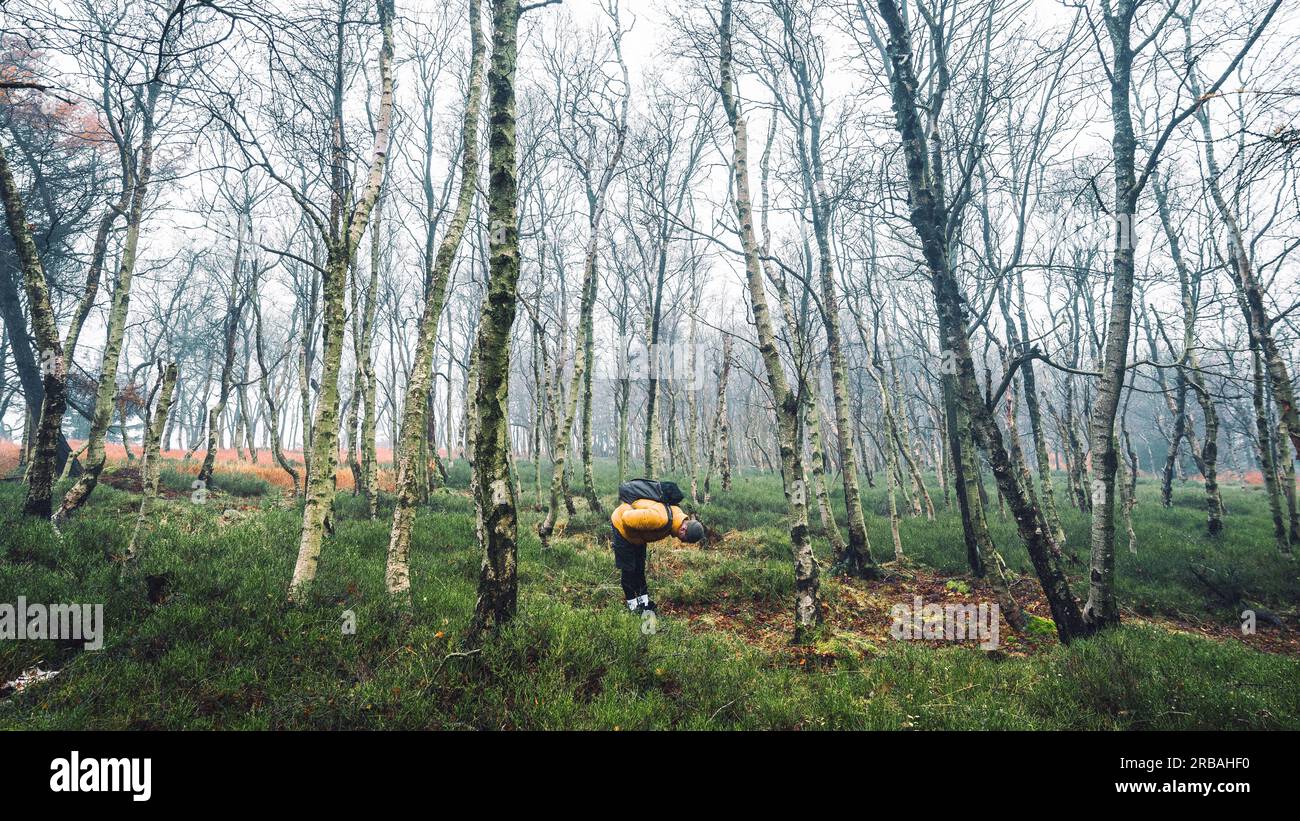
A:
199,635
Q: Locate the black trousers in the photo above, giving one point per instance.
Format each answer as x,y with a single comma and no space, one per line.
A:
629,558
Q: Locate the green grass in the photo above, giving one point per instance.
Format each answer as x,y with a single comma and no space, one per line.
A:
226,651
232,483
1157,579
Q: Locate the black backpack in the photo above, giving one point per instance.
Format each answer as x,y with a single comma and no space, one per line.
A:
667,492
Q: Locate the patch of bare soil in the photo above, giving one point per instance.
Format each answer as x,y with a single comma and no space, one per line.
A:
862,611
125,478
860,614
128,478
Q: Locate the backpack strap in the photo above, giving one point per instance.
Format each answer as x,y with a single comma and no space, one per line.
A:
668,509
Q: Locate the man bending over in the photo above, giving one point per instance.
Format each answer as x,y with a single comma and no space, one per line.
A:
637,523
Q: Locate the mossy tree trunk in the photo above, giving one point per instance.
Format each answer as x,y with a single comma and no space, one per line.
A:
588,431
138,171
929,216
808,615
150,468
438,273
43,445
346,228
1102,608
367,378
494,499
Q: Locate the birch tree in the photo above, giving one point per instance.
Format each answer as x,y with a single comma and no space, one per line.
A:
438,272
808,615
1102,608
494,494
341,233
582,149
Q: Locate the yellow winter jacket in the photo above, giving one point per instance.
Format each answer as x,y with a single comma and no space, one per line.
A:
646,520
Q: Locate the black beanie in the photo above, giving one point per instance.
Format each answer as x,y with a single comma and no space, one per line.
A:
694,531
